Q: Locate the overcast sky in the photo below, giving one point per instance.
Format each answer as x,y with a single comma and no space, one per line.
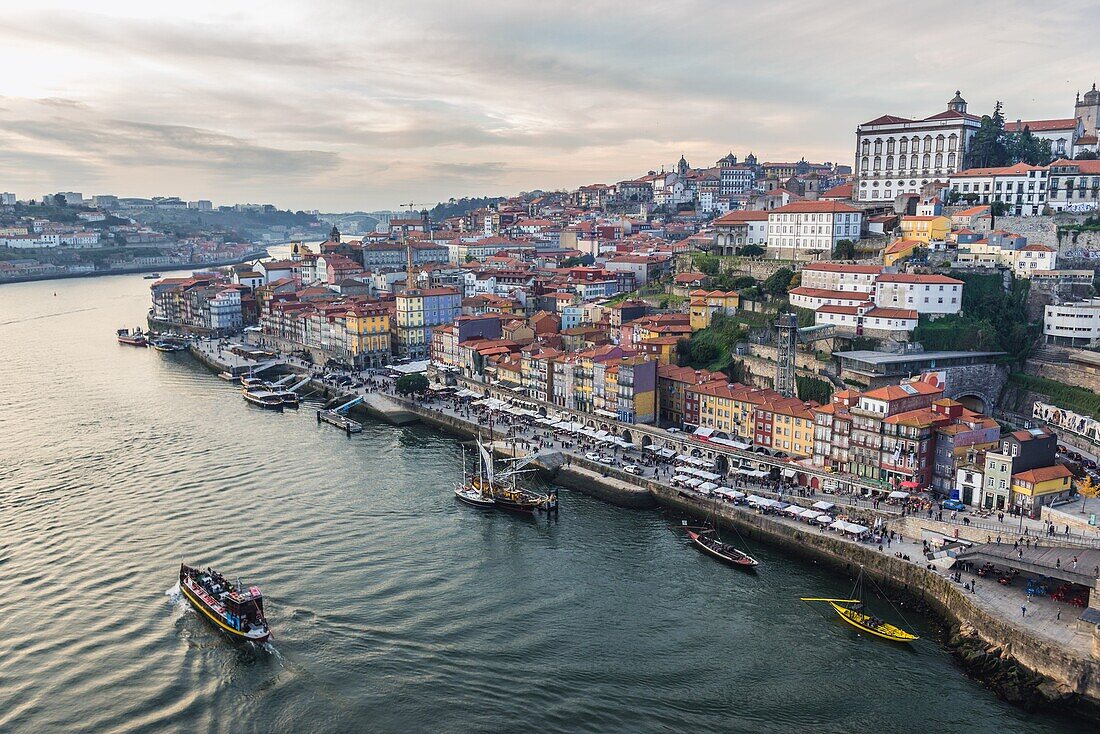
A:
366,105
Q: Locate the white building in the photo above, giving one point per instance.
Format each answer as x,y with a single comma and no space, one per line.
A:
1073,324
7,199
739,228
803,230
834,276
866,319
925,294
1062,134
1074,185
896,155
202,205
815,298
80,239
1022,188
225,310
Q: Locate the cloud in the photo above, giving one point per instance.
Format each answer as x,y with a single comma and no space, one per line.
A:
343,104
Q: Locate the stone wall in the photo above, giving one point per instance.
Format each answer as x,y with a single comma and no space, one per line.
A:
1070,373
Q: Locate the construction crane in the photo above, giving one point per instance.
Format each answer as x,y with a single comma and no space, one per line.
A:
788,336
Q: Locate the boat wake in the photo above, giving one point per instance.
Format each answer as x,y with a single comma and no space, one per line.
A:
175,596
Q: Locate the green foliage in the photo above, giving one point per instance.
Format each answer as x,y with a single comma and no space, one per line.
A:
811,388
413,384
845,250
953,197
1024,147
711,348
805,316
751,251
728,282
988,148
778,282
573,262
1086,155
461,207
991,320
738,371
706,263
998,208
1071,397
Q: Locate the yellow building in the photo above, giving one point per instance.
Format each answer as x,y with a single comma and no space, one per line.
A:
367,330
925,229
899,250
1043,486
785,425
663,348
704,304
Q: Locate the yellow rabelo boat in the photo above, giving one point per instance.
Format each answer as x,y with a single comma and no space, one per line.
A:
854,612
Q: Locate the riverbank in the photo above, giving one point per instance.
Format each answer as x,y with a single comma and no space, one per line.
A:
1020,663
165,268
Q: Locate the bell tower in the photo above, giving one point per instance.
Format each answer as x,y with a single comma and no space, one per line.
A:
957,103
1087,110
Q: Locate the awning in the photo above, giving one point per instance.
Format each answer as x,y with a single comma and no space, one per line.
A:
809,514
824,519
708,486
681,478
605,413
793,510
898,495
693,482
703,432
909,484
789,473
823,505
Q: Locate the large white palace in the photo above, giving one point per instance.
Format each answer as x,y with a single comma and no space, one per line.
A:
896,155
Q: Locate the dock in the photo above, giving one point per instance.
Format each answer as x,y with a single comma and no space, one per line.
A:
339,420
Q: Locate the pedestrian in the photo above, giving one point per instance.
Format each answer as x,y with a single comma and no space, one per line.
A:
1058,616
1023,610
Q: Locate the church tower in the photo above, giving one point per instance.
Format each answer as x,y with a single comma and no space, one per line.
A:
957,103
1087,110
334,235
682,167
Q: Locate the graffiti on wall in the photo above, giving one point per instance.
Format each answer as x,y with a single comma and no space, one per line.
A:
1067,420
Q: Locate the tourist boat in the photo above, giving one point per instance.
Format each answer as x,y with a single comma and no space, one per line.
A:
151,276
263,398
707,541
289,397
254,382
854,612
490,488
135,338
229,376
236,611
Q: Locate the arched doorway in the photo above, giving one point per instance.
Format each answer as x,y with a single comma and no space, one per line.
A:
975,401
722,464
646,440
626,436
590,423
542,412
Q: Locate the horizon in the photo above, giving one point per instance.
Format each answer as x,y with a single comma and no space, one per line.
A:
393,104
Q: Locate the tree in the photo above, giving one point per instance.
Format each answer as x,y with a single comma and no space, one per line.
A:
751,251
953,197
778,282
58,200
998,208
1086,155
572,262
413,384
845,250
706,263
1026,148
1087,488
988,148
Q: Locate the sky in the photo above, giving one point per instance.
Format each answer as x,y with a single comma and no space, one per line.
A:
340,105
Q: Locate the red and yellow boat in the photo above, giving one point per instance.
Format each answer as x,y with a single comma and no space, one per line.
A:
236,611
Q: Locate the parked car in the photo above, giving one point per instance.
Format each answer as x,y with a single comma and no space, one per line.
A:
953,505
605,459
632,469
592,456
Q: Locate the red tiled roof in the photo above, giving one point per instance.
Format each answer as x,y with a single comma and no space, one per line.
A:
1019,169
915,278
740,216
1043,474
1067,123
825,293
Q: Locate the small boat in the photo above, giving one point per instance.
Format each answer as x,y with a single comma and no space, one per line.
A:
151,276
713,546
263,399
474,497
236,611
163,345
854,612
229,376
135,338
255,383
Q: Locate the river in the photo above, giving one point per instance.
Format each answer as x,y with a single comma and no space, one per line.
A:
394,609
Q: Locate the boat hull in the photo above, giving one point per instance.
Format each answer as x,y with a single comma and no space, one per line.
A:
743,561
474,500
860,622
215,619
133,341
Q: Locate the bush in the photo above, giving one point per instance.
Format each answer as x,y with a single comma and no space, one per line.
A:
413,384
1078,399
811,388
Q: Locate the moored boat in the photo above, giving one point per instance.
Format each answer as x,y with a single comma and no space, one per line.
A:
255,383
163,345
488,488
151,276
263,399
854,612
229,376
135,338
289,397
236,611
716,548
